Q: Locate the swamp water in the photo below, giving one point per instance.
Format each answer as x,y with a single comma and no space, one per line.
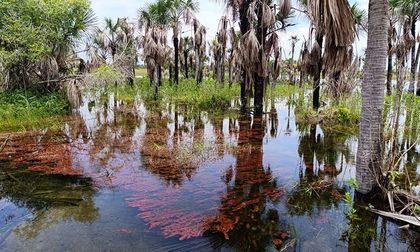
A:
133,177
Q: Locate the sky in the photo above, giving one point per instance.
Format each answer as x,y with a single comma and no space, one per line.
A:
209,15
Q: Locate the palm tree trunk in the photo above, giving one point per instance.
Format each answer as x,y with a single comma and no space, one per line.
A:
230,72
369,154
186,64
156,81
413,57
259,81
170,72
176,47
418,79
317,77
191,65
197,64
301,79
292,66
389,74
244,26
159,75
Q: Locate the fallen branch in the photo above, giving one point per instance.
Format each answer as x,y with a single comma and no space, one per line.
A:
401,217
4,144
408,196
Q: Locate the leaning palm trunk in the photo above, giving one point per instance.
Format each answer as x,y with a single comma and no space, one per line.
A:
369,154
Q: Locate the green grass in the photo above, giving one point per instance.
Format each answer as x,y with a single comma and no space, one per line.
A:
20,110
209,95
140,71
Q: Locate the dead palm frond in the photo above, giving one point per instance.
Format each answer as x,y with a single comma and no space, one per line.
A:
339,35
346,83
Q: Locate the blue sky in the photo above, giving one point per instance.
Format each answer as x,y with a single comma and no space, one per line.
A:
209,15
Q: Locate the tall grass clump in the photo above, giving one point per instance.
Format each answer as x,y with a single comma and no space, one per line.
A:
20,110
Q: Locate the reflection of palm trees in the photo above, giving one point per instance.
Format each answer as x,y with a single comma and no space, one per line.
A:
327,149
172,162
114,135
320,154
243,220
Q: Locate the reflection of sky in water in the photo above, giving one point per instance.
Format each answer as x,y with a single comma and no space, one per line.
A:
139,200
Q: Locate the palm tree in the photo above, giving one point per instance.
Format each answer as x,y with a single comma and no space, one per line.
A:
111,34
177,11
410,8
199,48
332,23
259,23
234,54
185,46
293,40
219,50
369,154
153,18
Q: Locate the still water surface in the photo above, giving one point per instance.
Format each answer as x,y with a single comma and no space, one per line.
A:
133,177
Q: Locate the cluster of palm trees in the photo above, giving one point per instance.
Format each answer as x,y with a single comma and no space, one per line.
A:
252,54
154,20
115,44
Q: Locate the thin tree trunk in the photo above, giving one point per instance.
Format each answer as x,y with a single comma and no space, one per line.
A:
413,58
292,66
159,75
369,154
401,74
418,79
170,72
317,78
186,64
301,79
243,89
176,47
191,65
230,72
416,64
389,75
156,81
